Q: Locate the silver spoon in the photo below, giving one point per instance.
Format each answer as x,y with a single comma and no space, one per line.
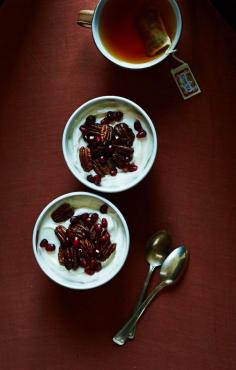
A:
171,270
156,251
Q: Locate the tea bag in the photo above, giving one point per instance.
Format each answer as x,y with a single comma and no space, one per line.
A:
153,32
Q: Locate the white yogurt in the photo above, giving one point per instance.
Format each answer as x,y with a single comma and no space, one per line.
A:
144,149
74,278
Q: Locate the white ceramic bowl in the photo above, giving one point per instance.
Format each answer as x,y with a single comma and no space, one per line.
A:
145,149
78,279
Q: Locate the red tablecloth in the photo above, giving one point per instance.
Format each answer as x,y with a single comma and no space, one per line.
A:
48,67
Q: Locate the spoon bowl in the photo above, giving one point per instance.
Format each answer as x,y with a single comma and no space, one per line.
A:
158,248
174,265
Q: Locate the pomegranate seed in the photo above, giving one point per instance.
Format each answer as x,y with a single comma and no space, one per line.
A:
97,266
98,139
94,217
97,179
89,271
88,221
90,178
132,167
98,228
104,238
83,217
83,262
104,208
43,243
113,172
104,222
125,169
118,116
70,234
76,242
90,119
137,125
141,134
74,220
83,129
50,247
92,263
110,116
107,235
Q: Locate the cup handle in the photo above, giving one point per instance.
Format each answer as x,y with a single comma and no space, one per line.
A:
85,18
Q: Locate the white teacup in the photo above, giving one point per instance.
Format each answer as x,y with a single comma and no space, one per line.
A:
92,19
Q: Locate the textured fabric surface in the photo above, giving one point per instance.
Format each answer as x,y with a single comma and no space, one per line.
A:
48,67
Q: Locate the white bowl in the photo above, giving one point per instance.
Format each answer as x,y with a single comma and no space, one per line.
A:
144,149
78,279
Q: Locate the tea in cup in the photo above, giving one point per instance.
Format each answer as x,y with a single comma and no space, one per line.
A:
134,34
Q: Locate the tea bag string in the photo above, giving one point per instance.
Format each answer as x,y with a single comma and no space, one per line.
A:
175,57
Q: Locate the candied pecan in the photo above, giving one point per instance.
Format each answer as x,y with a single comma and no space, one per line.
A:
87,247
106,133
85,158
124,133
60,232
123,149
75,260
68,263
61,255
101,169
81,231
62,213
119,160
92,233
107,251
69,258
93,129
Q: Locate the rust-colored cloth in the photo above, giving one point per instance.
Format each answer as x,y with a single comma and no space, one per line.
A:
48,67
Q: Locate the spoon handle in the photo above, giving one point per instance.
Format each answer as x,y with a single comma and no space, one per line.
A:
122,335
141,296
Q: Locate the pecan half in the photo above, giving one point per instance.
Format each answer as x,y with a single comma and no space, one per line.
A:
60,232
93,129
101,169
107,251
125,134
62,213
106,133
61,255
80,230
87,247
85,158
123,149
119,160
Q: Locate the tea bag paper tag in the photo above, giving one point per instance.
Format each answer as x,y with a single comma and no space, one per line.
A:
185,80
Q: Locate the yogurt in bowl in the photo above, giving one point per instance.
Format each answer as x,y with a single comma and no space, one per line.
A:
82,203
143,147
